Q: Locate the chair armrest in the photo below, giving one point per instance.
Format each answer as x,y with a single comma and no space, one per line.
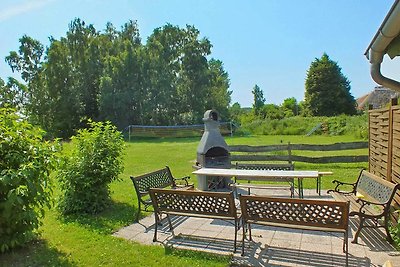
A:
366,202
185,178
339,184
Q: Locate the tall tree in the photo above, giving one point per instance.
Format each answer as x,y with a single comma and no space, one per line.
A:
121,91
12,94
178,74
259,99
28,61
65,108
219,96
327,90
290,107
110,75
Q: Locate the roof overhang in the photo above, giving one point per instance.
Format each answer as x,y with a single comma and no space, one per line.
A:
385,41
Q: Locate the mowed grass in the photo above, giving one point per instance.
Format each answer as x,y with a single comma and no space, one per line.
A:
88,241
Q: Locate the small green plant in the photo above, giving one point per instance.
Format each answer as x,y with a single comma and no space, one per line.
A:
86,172
395,231
25,164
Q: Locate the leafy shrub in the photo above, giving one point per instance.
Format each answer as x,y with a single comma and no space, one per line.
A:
25,163
86,171
395,231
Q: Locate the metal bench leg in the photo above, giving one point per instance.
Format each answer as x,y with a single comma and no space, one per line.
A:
362,219
236,230
170,225
386,225
250,237
138,211
346,247
155,226
243,236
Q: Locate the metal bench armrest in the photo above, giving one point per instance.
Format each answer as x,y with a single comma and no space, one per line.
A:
366,202
185,178
339,184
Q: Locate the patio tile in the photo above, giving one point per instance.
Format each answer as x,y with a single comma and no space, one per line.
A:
289,234
271,246
317,237
281,243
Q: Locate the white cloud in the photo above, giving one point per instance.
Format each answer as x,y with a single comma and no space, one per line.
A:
24,7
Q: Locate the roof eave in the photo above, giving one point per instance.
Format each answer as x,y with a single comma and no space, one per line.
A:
388,31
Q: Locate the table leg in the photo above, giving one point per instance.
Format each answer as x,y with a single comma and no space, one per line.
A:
300,185
319,185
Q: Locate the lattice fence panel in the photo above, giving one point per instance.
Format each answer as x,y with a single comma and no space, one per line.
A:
379,141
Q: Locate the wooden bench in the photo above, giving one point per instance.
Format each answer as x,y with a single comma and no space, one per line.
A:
305,214
370,198
157,179
190,203
268,166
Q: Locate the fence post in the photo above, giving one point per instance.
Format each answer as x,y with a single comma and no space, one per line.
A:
289,153
393,102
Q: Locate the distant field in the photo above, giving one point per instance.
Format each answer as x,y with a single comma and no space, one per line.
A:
87,240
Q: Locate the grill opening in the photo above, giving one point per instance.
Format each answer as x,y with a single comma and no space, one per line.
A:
217,152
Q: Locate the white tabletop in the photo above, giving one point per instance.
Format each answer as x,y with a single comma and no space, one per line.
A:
257,173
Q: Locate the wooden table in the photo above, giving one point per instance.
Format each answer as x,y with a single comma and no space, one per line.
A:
265,175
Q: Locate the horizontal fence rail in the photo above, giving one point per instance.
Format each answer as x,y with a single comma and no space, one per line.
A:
253,150
226,128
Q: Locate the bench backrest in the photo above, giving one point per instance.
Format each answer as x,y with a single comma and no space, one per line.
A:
190,202
157,179
268,166
375,188
265,167
291,211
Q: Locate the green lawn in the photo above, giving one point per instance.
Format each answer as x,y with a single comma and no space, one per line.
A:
87,240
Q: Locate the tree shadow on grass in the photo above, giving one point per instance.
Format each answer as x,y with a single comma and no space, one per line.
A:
35,253
117,215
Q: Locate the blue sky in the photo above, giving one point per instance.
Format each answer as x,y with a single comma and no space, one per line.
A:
270,43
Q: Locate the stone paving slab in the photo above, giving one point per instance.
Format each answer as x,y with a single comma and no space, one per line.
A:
271,246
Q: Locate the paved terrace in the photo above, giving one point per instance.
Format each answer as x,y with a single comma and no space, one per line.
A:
271,246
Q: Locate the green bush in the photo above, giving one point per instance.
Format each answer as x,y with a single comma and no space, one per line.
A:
395,231
86,171
25,163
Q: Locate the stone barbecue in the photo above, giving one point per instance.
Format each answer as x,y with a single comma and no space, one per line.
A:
212,152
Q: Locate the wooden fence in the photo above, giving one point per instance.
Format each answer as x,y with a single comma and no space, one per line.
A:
384,144
261,153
